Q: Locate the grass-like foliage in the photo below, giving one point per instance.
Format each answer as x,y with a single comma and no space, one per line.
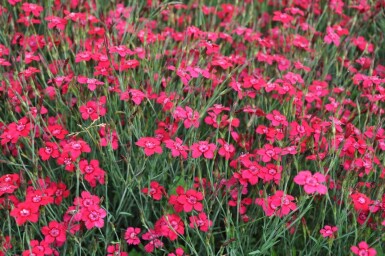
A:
209,127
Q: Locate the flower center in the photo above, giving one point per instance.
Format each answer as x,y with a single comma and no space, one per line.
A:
363,252
203,148
76,146
25,212
191,199
278,118
54,232
270,152
285,201
20,127
94,216
150,144
311,181
36,199
89,169
361,200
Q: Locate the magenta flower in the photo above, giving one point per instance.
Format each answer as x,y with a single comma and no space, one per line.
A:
363,249
311,183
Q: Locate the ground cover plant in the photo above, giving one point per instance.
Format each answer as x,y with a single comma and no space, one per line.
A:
192,128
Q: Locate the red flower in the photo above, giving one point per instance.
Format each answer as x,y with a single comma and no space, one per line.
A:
131,235
277,118
150,145
191,200
24,212
311,183
282,17
137,96
201,221
363,249
177,147
9,183
203,147
115,250
152,236
92,83
92,110
83,56
92,172
50,150
227,150
361,202
60,191
86,200
271,172
23,127
178,252
279,204
9,136
67,160
76,147
40,196
108,137
328,231
332,37
56,22
55,232
251,172
57,131
93,216
32,8
156,191
127,64
191,118
269,152
38,249
122,50
170,226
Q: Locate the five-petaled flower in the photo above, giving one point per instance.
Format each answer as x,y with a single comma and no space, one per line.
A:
150,145
311,183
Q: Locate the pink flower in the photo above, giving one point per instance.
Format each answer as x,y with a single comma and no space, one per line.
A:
328,231
277,118
24,212
363,249
93,216
156,191
201,221
32,8
76,147
50,150
92,110
170,226
279,204
131,235
203,147
191,200
92,83
54,232
92,172
177,148
269,152
115,250
191,118
332,37
311,183
150,145
227,150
